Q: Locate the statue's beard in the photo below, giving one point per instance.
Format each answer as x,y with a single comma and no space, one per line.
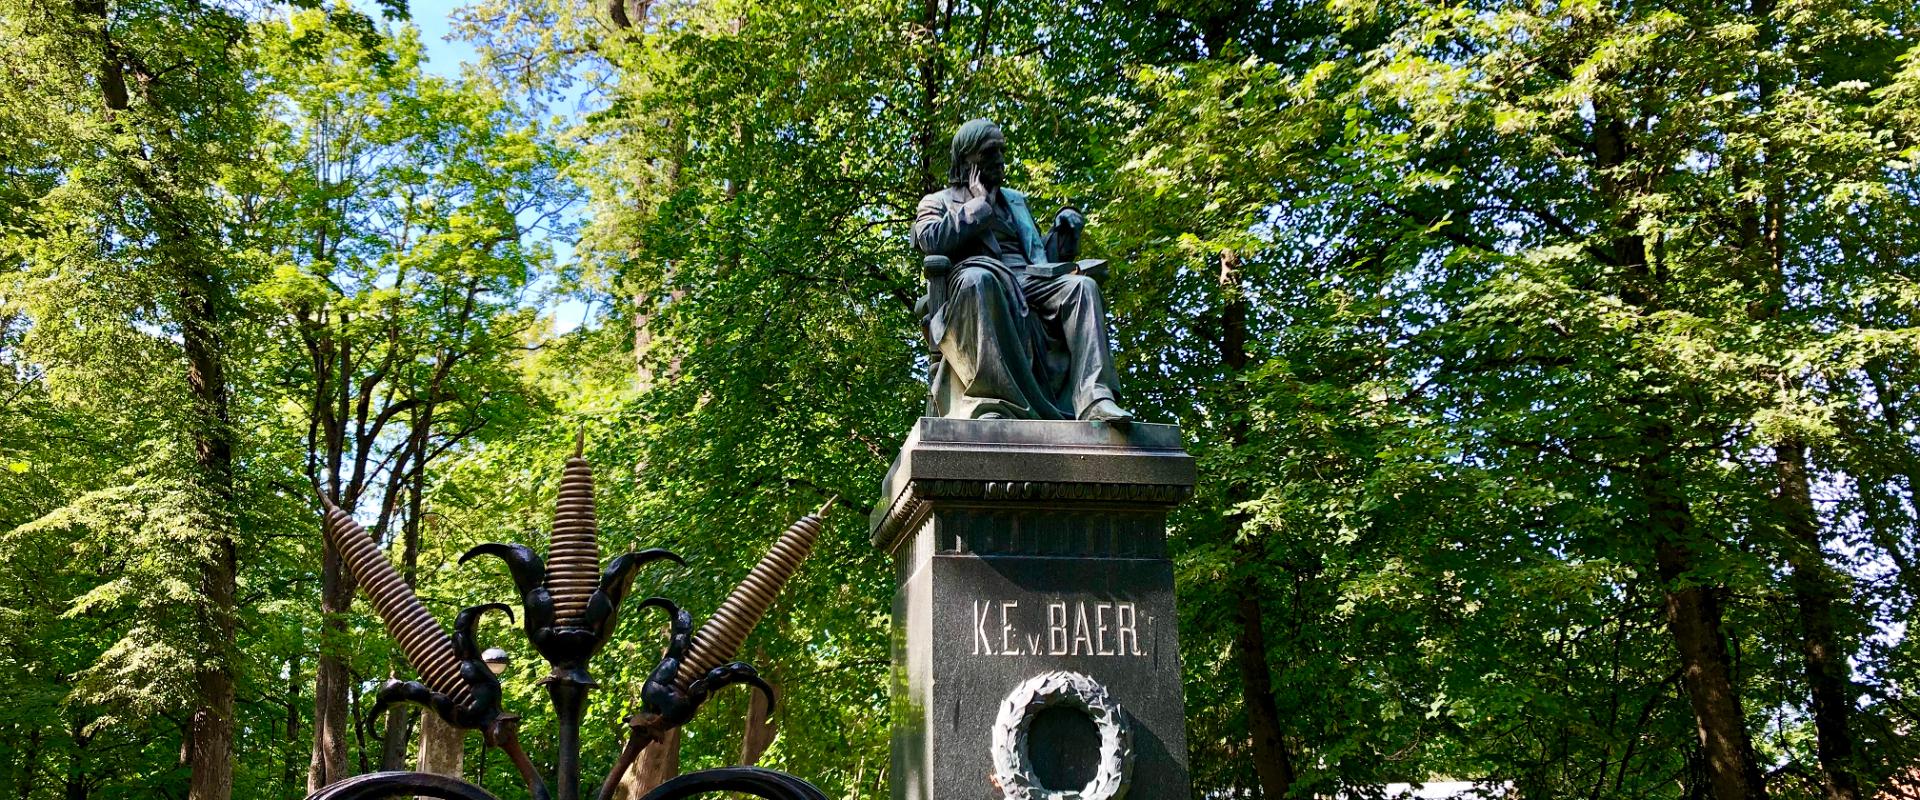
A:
991,175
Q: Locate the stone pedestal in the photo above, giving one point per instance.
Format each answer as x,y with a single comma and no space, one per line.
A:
1034,595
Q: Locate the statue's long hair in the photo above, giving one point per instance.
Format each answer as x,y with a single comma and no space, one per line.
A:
966,142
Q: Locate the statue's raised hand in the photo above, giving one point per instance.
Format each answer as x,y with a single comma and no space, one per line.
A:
1063,242
975,187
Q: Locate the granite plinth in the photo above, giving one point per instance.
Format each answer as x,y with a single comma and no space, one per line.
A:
1023,547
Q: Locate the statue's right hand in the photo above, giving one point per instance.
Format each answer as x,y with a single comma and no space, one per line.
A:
975,188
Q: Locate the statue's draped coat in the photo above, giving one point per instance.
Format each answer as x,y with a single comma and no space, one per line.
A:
1012,344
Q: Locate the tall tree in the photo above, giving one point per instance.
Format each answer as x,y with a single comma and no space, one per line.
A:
128,243
407,268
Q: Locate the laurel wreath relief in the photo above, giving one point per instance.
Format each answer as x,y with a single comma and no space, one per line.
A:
1013,766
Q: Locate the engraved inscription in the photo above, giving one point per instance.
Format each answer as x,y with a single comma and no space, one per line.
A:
1071,628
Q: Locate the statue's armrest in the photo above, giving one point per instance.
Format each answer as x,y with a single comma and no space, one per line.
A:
935,268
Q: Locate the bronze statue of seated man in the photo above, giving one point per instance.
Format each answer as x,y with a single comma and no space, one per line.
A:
1022,333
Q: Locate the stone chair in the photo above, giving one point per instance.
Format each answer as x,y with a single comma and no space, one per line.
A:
935,269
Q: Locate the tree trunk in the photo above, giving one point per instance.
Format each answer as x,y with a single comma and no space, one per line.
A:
1815,589
1693,616
1692,611
291,766
211,727
330,431
1813,585
30,763
1882,498
395,735
359,727
76,782
329,762
642,342
209,737
1271,761
932,80
443,748
760,729
659,763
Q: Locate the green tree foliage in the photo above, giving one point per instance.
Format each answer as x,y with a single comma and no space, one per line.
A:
118,235
163,276
402,277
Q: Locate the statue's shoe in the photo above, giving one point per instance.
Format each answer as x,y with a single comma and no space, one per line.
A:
1107,411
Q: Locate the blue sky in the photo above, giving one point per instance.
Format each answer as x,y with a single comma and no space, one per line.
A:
444,58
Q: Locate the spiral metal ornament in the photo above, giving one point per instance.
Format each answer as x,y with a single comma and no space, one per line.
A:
421,638
722,635
573,555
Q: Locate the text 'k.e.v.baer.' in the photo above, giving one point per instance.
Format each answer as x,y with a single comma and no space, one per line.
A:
1071,628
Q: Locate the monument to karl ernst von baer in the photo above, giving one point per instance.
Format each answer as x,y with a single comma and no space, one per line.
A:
1035,653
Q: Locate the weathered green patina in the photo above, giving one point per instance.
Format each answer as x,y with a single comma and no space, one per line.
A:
1021,331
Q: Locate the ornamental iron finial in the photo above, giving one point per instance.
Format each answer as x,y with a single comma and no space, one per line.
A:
456,683
721,637
569,607
694,666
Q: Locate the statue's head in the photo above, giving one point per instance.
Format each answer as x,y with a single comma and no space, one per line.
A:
979,144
